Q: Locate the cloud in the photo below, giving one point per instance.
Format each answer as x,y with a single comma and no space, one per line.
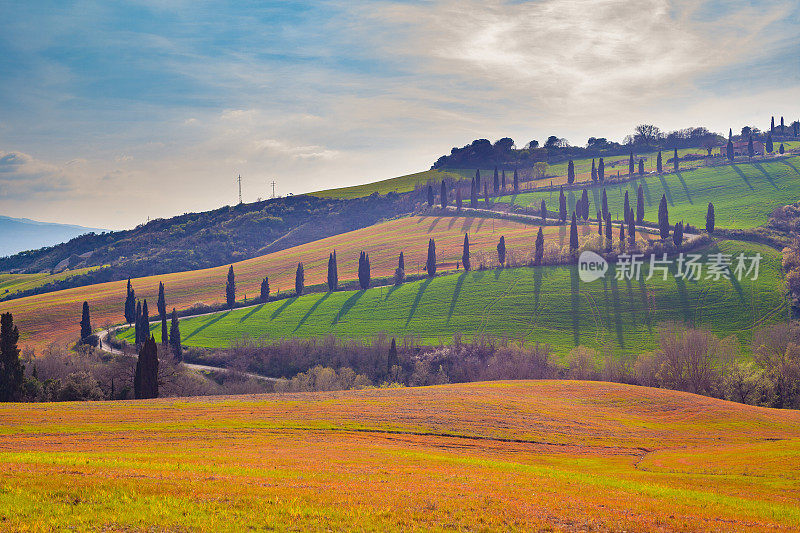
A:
24,177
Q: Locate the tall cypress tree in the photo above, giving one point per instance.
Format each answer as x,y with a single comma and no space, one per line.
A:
264,289
663,218
299,280
473,194
401,262
585,204
571,171
630,164
161,303
659,165
430,263
606,213
137,322
503,180
769,145
130,304
781,149
486,195
631,228
599,223
12,371
594,171
465,254
675,160
364,274
430,195
478,180
539,248
601,170
782,126
562,206
400,272
516,181
501,250
573,234
175,335
144,327
622,236
496,182
230,288
459,201
443,195
609,234
164,332
145,381
641,167
626,206
772,125
729,150
677,234
710,218
640,205
543,211
86,323
333,272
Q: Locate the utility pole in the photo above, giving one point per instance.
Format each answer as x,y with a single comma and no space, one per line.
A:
240,188
273,189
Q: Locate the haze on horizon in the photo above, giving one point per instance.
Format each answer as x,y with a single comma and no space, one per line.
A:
110,114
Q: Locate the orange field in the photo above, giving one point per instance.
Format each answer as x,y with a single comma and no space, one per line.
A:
54,317
549,455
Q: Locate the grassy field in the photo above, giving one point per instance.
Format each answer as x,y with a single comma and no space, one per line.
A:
526,455
547,305
399,184
55,316
13,283
743,194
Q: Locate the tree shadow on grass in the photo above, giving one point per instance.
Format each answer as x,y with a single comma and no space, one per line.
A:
347,306
433,224
252,311
311,310
422,287
667,191
456,292
769,178
537,286
645,303
452,222
575,290
741,175
685,187
284,305
631,300
683,296
467,223
789,164
562,234
211,322
646,191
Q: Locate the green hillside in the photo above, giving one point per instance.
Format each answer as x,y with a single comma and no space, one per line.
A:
743,194
546,304
399,184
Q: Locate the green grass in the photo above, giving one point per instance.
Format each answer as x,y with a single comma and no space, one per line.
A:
549,305
12,283
743,194
399,184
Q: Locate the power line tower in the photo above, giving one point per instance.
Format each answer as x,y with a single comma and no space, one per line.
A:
240,188
273,189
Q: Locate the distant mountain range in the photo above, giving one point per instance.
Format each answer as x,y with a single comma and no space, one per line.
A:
20,234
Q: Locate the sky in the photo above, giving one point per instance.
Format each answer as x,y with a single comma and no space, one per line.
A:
115,112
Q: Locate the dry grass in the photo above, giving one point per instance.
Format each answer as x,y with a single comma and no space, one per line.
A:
565,456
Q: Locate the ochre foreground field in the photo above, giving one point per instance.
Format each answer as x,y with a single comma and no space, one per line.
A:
551,455
54,317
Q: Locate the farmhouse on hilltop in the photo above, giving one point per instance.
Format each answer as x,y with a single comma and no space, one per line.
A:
740,148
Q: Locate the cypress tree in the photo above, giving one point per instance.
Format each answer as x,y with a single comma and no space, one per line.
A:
573,234
641,167
772,125
539,249
333,272
631,228
401,262
571,172
443,195
465,254
486,194
730,134
161,302
562,207
264,289
430,195
594,171
299,280
430,263
473,195
496,182
543,211
769,145
659,166
782,130
175,335
751,151
640,205
608,233
503,180
364,271
459,202
677,234
729,151
145,381
144,327
392,359
478,180
626,206
630,165
86,323
710,219
585,204
137,334
606,213
781,149
622,235
663,218
675,160
164,332
230,288
501,250
601,170
12,371
400,272
599,223
130,304
516,181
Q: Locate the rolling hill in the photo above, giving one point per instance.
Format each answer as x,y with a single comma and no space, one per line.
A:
54,316
20,234
547,305
524,455
743,194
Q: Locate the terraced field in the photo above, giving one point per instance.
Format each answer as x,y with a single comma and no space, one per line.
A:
547,305
13,283
55,316
743,194
525,455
